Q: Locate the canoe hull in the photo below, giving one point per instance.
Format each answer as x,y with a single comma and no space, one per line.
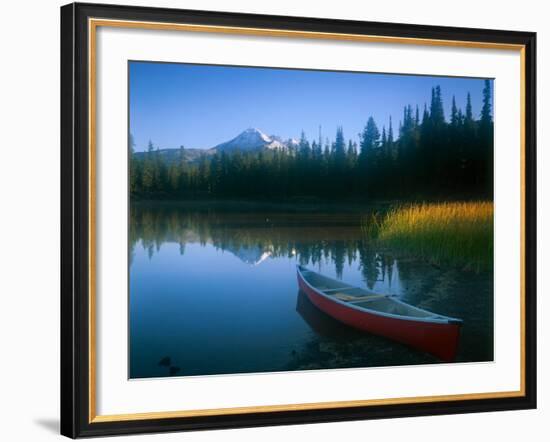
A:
438,339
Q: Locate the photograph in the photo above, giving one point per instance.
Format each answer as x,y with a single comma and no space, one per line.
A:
285,219
274,221
270,218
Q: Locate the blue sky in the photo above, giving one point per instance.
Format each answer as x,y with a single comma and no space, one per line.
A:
199,106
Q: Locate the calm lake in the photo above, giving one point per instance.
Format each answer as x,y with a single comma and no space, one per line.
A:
214,291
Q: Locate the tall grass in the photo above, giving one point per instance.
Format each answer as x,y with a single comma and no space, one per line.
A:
455,233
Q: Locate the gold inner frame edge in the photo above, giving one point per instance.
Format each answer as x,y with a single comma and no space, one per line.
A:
93,24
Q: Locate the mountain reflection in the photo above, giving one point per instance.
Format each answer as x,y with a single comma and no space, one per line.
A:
254,236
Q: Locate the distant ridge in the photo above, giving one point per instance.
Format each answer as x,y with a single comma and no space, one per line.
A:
249,140
173,155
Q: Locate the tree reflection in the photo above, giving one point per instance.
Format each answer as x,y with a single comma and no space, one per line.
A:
313,238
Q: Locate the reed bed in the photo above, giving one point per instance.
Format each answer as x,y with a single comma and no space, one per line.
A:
452,233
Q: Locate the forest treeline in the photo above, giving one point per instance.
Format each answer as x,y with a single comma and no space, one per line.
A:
429,155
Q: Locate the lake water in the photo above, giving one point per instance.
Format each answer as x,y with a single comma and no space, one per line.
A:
214,291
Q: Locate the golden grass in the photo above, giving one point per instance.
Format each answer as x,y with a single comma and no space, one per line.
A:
456,233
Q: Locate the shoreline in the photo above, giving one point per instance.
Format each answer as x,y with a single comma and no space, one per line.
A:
305,204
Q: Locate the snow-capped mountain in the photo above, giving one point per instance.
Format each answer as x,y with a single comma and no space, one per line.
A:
250,140
251,255
254,139
288,142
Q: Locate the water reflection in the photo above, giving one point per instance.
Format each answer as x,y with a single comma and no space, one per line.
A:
197,272
335,345
312,238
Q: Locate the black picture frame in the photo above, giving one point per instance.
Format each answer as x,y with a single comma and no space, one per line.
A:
75,219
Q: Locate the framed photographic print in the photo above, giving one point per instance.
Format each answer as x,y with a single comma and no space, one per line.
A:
271,220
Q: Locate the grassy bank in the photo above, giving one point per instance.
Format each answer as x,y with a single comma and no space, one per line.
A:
455,233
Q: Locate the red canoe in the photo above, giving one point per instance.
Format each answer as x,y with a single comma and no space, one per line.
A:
382,315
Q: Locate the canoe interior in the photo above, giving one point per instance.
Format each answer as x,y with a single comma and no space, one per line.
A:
363,299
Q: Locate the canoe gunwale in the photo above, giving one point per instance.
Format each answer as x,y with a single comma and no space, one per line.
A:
441,319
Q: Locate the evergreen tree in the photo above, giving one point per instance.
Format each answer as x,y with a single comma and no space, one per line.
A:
469,118
486,138
303,147
384,141
352,154
390,136
454,114
148,178
436,109
368,157
369,139
134,165
339,147
326,152
486,118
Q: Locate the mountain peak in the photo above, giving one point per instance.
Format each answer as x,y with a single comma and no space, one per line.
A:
253,130
251,139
